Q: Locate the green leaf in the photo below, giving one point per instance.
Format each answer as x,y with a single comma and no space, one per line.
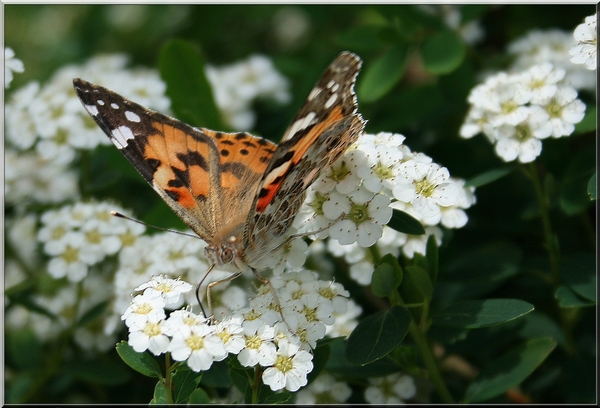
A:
405,223
473,314
432,257
217,376
509,371
24,348
339,364
443,52
579,272
185,381
320,358
568,298
192,101
416,285
377,335
140,362
386,277
367,37
588,123
488,177
381,75
199,396
591,187
160,394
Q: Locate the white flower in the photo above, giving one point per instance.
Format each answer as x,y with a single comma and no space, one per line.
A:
200,347
324,390
345,322
342,174
231,333
418,243
20,125
32,179
426,187
392,389
237,85
565,110
170,289
144,307
541,80
289,367
454,216
11,64
552,45
523,140
584,52
150,336
259,344
365,215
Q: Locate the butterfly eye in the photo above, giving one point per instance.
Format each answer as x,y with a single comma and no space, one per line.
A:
226,255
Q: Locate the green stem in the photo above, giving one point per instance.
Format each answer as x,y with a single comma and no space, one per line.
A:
168,378
549,237
567,319
256,384
418,337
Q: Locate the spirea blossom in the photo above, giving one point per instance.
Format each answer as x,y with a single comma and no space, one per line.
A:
238,85
11,64
517,111
80,235
586,36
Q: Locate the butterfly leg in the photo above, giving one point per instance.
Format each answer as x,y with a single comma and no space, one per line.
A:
272,289
209,287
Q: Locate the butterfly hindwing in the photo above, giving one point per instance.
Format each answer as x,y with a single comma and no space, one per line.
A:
326,125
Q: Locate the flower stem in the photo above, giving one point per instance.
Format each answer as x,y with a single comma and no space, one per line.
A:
567,318
550,238
430,362
256,384
168,378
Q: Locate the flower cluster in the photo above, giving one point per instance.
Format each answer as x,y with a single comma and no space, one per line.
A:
257,334
81,235
516,111
379,174
395,388
584,52
553,46
11,64
237,85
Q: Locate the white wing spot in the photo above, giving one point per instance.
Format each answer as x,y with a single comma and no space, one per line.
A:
92,110
313,94
100,102
114,106
331,101
121,135
330,84
299,125
132,117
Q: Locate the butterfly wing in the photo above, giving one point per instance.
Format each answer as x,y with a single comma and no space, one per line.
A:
180,162
326,125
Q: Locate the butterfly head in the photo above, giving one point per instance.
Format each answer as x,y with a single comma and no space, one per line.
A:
225,255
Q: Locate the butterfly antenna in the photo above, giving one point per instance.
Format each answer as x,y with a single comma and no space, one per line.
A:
118,214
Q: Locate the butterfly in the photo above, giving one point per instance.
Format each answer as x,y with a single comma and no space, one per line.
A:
237,192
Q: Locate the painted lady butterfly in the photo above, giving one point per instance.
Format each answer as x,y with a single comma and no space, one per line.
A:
238,192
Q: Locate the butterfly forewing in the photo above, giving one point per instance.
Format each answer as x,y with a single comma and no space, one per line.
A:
324,128
180,162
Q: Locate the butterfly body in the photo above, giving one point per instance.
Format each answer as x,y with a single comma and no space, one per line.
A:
238,192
